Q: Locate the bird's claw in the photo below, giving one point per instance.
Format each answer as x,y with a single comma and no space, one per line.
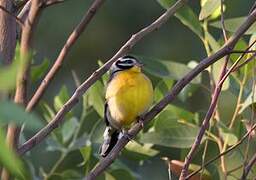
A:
127,135
140,120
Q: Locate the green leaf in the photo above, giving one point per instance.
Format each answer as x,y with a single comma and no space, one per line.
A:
170,132
187,92
167,69
9,73
182,137
37,71
96,97
208,8
143,151
189,19
233,23
86,152
61,99
47,111
250,100
217,66
9,159
69,128
122,174
162,88
185,15
11,112
70,175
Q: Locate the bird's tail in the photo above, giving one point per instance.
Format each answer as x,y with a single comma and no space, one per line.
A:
110,139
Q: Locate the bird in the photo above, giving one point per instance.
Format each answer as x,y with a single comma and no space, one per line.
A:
129,94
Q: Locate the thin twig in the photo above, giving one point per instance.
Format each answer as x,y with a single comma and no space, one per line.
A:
241,51
18,20
53,2
23,76
223,153
64,51
105,162
210,112
96,75
248,167
58,119
245,62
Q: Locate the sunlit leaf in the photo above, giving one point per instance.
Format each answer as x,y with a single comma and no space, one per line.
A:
141,150
185,15
9,159
122,174
70,174
217,66
95,97
61,98
167,69
232,24
169,132
86,152
69,128
38,71
11,112
251,99
208,8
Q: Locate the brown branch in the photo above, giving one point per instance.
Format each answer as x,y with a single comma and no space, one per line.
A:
66,48
53,2
12,15
105,162
7,33
245,62
58,119
209,114
223,153
41,135
22,77
248,167
241,51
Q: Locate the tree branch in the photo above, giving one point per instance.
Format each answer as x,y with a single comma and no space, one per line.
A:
7,32
248,167
64,51
22,76
12,15
41,135
224,153
211,109
104,163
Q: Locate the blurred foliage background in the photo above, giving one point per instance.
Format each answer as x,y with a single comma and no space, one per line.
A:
168,54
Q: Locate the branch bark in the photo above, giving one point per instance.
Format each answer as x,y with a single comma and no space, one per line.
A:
224,153
105,162
58,119
7,33
22,77
64,51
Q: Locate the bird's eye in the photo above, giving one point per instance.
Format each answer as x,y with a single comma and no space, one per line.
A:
128,62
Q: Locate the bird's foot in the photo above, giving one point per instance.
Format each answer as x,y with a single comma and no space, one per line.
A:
126,134
140,120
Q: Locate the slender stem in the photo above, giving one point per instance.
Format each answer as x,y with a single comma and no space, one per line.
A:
63,53
56,165
225,152
18,20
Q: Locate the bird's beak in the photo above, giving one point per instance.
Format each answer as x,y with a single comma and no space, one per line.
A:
139,64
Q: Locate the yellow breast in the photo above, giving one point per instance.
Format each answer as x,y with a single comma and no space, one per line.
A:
129,94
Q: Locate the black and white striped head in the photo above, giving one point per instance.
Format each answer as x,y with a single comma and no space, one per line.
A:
125,63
